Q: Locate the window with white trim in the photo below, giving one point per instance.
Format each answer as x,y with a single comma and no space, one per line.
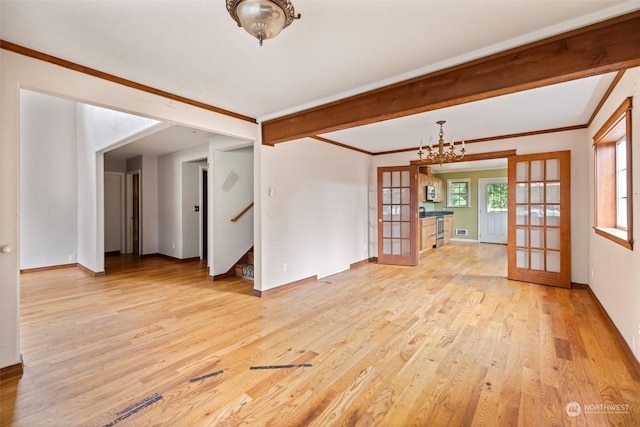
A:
459,193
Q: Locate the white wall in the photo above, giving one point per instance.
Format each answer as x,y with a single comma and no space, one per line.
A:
48,181
232,192
149,208
576,141
107,127
616,270
18,71
170,200
316,220
114,164
90,205
98,129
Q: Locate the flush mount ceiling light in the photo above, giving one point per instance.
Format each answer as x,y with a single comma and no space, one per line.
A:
263,19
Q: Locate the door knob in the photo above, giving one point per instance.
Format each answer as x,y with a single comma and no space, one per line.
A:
6,249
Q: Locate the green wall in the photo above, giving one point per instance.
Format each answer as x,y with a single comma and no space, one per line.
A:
467,217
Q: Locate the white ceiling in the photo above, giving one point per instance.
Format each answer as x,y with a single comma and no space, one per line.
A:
165,140
339,48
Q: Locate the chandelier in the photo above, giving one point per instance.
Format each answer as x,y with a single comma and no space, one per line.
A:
442,156
263,19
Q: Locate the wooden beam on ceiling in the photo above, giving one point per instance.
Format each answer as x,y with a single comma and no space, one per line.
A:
604,47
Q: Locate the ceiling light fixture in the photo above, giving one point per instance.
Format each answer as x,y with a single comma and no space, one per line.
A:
441,156
263,19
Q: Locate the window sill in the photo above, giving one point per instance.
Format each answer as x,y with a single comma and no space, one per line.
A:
620,237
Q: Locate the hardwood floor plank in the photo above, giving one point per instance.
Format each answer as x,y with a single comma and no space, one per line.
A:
451,342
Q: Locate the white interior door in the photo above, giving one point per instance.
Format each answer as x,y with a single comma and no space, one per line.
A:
493,210
113,212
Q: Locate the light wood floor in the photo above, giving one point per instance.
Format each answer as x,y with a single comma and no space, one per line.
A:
449,343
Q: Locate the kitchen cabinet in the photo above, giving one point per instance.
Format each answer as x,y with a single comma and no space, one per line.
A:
438,184
426,179
448,228
422,183
427,233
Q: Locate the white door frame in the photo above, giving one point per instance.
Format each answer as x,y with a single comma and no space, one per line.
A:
482,203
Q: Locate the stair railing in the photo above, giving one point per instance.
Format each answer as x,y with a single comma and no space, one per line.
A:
244,211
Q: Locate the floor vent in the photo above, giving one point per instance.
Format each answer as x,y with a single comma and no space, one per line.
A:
462,232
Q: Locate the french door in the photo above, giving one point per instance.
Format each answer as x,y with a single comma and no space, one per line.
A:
397,215
539,244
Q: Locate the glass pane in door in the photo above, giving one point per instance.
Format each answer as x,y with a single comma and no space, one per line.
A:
497,197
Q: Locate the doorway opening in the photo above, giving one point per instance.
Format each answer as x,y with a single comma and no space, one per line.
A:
133,213
204,209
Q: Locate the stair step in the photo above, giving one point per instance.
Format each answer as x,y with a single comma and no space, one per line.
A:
247,271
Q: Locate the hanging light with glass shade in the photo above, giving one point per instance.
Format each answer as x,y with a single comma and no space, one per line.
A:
263,19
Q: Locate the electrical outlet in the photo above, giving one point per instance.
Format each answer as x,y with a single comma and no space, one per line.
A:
284,266
72,257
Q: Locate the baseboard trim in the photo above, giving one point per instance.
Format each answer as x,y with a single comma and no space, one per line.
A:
288,286
47,268
363,262
228,274
172,258
151,255
456,239
12,371
633,365
305,281
90,272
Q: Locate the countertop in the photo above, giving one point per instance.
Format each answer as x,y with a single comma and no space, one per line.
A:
434,213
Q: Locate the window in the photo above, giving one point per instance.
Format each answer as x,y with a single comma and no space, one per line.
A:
613,207
621,184
458,193
497,197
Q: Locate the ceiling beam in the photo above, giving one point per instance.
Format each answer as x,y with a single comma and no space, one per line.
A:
604,47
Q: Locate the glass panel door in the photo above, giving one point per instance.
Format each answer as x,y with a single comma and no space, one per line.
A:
397,210
539,220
